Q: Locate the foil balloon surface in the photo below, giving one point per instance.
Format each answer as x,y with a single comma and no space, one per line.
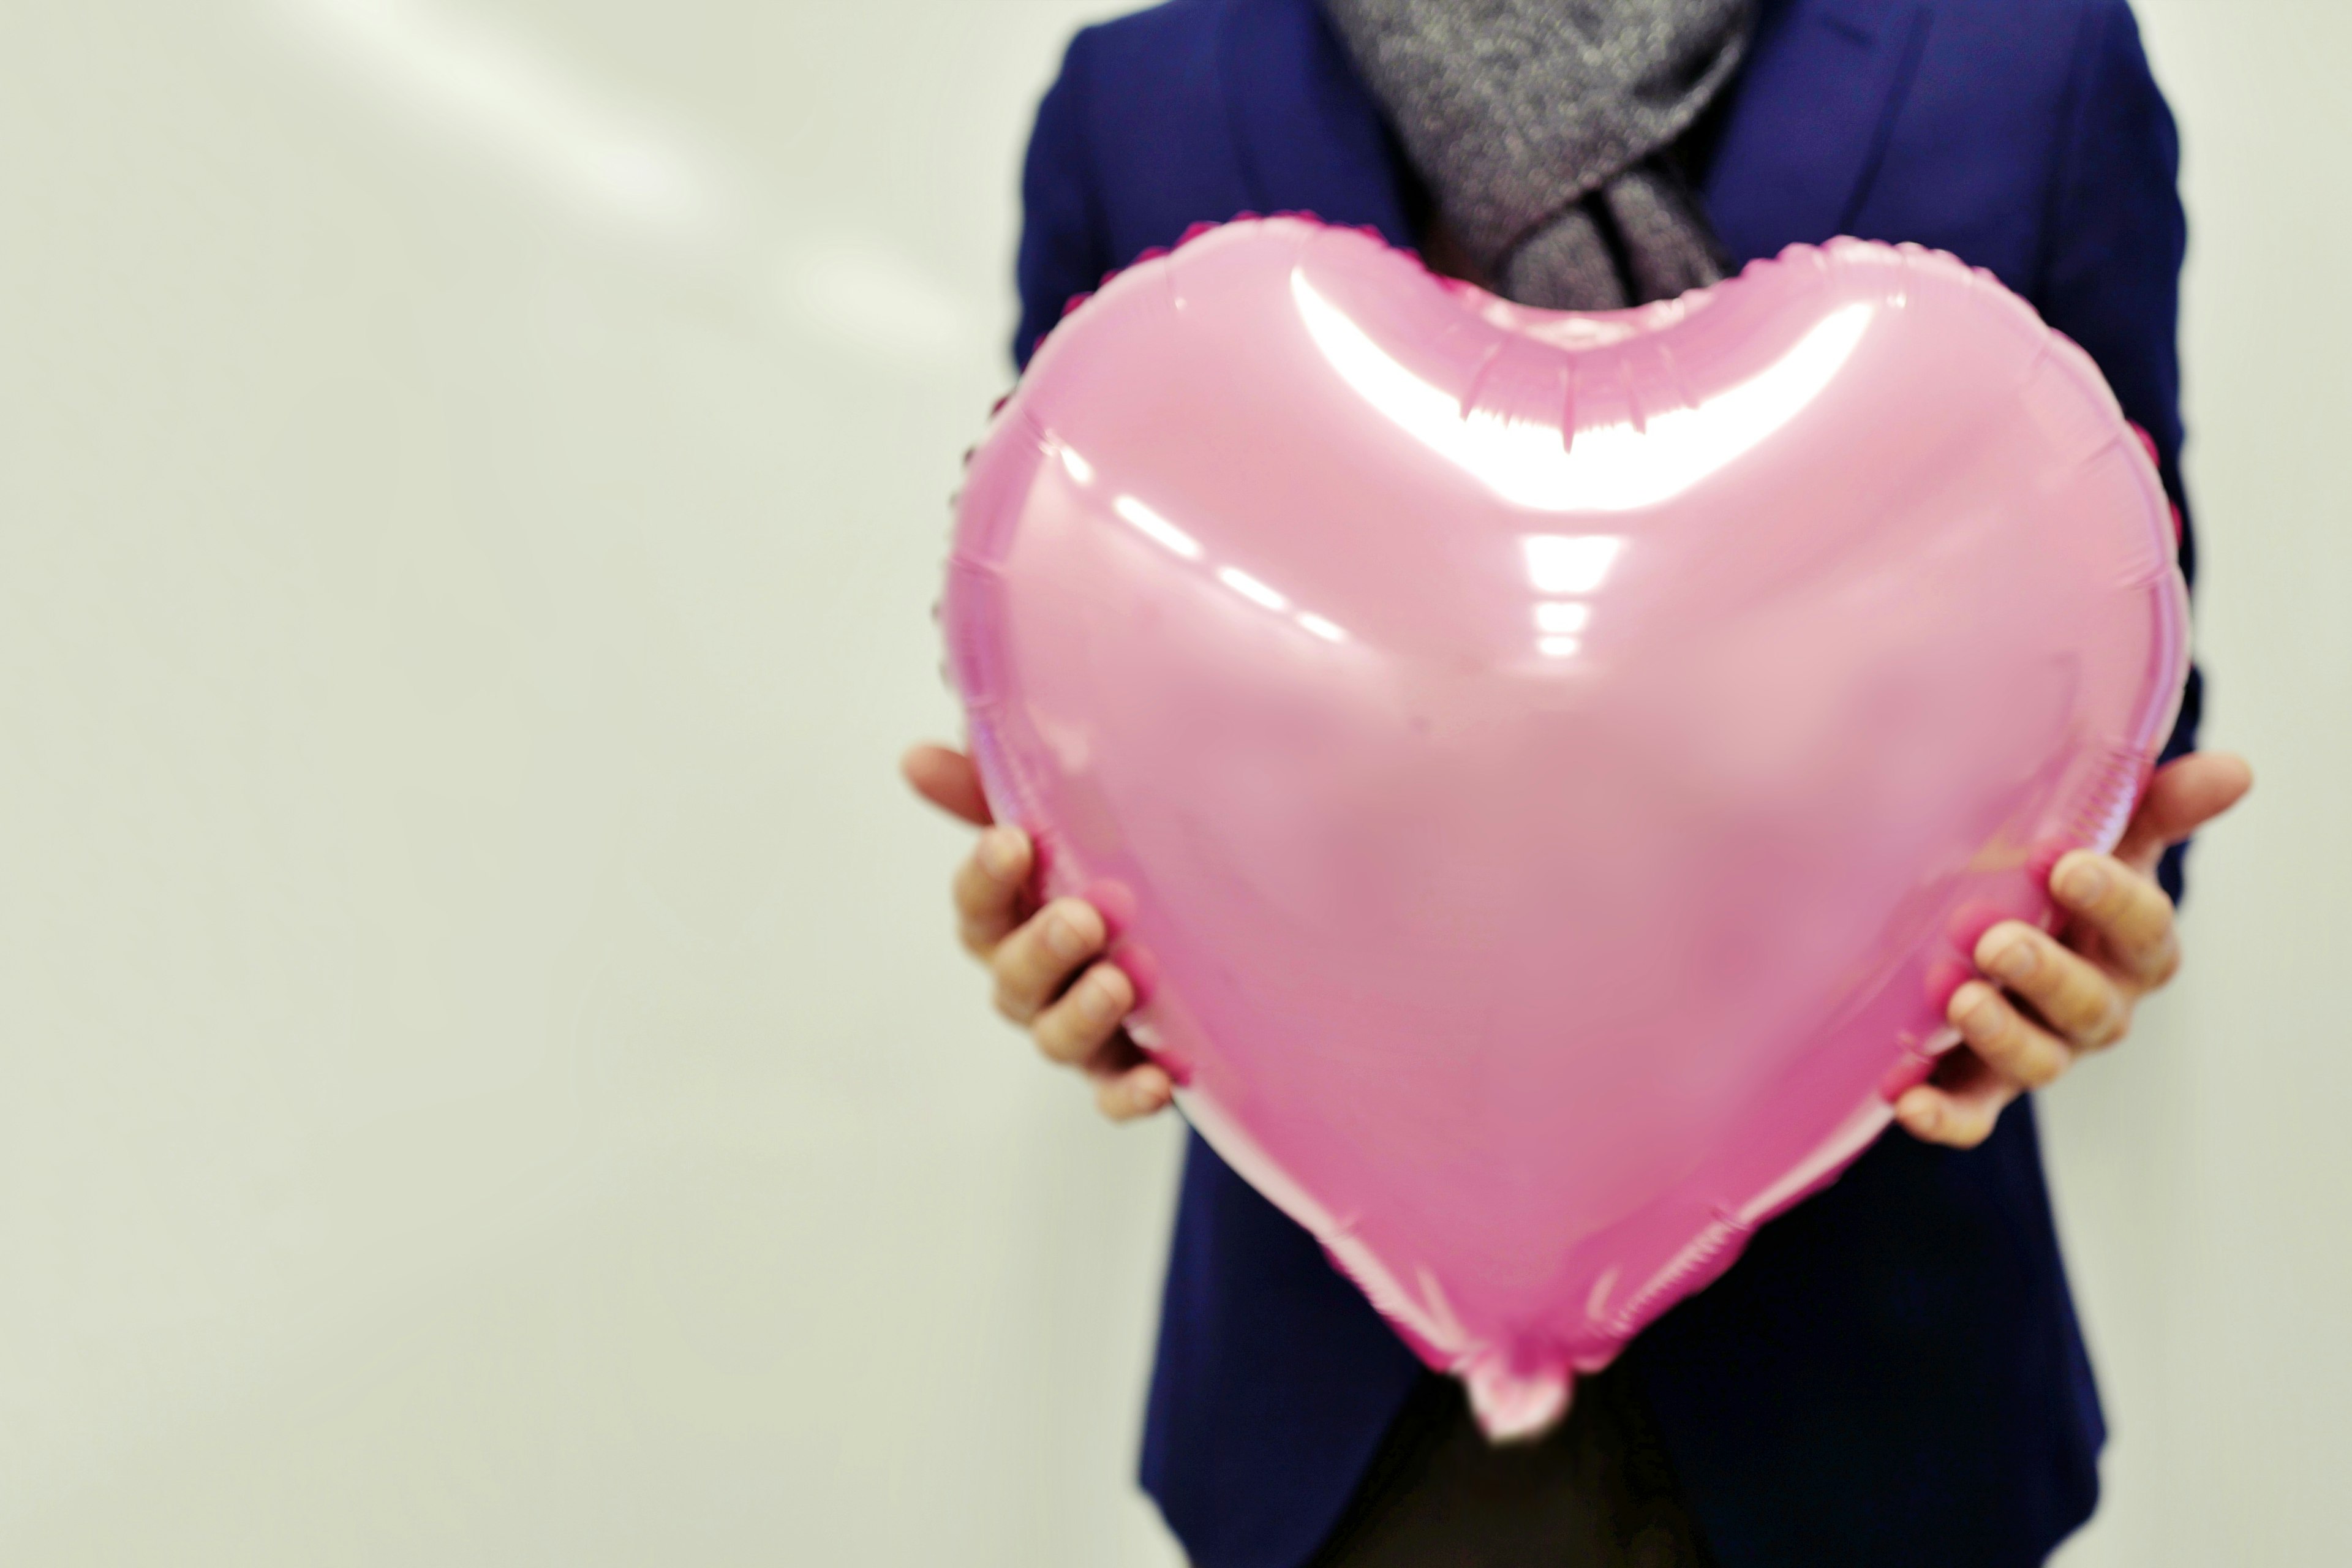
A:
1545,772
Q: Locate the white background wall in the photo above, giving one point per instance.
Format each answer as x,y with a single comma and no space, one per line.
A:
483,1074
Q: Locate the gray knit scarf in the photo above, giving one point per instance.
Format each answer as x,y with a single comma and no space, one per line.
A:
1542,128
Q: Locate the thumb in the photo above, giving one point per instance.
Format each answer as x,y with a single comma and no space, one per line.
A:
948,780
2184,795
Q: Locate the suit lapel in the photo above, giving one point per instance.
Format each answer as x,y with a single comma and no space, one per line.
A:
1307,134
1815,106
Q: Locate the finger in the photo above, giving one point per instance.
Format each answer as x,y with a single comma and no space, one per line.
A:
989,888
1961,1105
2130,913
2185,794
1032,964
2001,1035
1085,1020
948,780
1139,1091
2074,996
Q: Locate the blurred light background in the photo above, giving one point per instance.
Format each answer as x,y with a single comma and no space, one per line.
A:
484,1076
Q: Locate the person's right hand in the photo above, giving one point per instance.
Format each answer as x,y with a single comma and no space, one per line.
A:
1050,978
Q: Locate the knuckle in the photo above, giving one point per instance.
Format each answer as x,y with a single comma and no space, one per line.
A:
1020,960
1113,992
1989,1025
1049,1031
2098,887
1052,1039
1011,1006
2109,1006
1005,963
2082,1004
2136,915
1078,922
2146,912
1965,1127
2017,1051
2002,938
969,890
1993,1033
1063,1039
1074,1027
2041,1067
2123,897
2023,1052
1017,992
2126,898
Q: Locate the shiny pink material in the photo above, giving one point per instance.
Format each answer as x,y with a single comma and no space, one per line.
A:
1546,772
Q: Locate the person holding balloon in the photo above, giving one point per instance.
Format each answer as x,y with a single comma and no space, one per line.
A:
1893,1371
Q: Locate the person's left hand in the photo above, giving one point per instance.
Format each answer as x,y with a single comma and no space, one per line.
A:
2047,1000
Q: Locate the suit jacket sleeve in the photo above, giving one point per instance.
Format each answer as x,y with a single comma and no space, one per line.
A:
1062,250
2111,267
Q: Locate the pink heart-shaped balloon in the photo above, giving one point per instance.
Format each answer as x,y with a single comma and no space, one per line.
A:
1546,772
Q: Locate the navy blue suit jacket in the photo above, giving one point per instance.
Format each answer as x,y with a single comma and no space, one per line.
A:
1892,1372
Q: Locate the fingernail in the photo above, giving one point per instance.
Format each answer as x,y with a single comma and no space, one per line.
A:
1000,853
1983,1020
2083,883
2016,960
1064,940
1098,999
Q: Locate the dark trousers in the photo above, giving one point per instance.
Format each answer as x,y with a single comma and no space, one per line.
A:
1597,1492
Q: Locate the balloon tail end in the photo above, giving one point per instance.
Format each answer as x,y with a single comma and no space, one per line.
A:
1516,1407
